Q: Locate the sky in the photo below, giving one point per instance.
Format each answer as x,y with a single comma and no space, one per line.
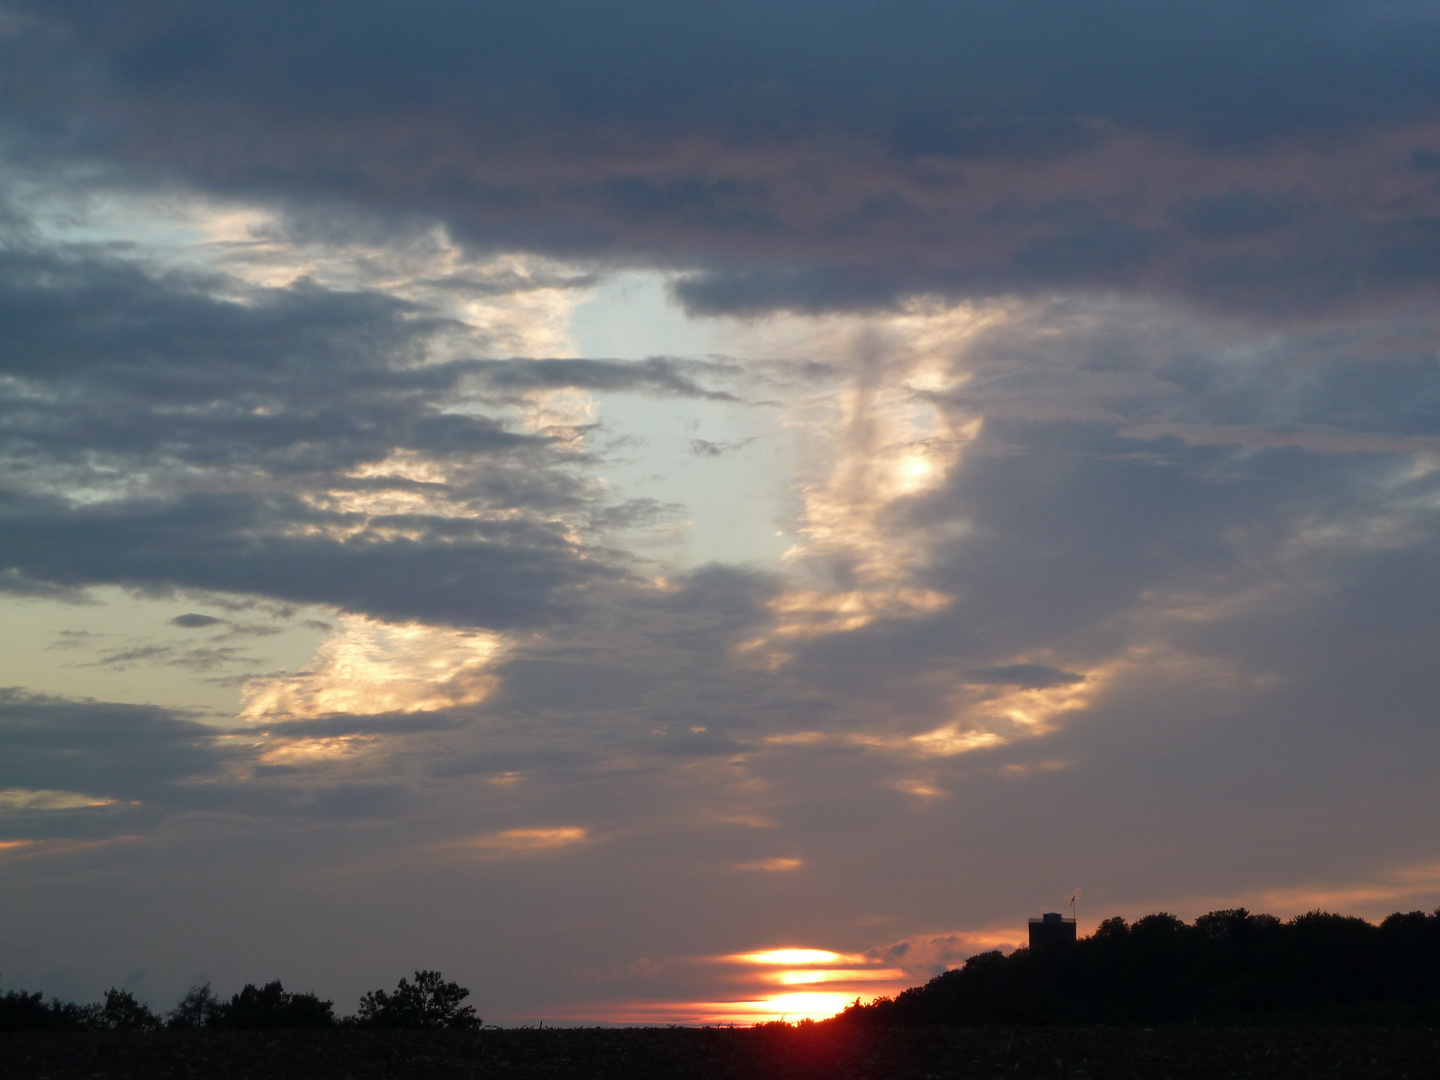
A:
698,513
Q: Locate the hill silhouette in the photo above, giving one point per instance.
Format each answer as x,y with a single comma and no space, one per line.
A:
1227,966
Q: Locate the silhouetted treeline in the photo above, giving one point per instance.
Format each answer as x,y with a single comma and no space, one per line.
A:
428,1002
1228,966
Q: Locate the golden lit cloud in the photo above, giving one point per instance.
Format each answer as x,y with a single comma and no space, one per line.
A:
993,718
922,789
372,667
28,799
519,304
1018,770
883,437
284,751
948,741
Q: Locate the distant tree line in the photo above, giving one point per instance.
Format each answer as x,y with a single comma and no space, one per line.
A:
428,1002
1228,966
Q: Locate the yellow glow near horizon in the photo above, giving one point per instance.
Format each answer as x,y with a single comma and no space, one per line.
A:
791,1007
793,957
806,1005
809,976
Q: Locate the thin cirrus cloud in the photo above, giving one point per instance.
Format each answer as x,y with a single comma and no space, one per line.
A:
1074,365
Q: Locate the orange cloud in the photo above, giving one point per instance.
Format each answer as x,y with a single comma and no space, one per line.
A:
776,865
523,841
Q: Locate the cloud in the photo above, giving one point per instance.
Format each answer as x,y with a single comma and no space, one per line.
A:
195,621
964,150
706,448
777,864
94,770
1025,676
15,583
126,765
659,375
298,442
526,841
466,572
925,957
374,668
200,659
313,391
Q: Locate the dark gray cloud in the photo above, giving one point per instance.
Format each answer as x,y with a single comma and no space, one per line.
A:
1025,676
121,769
149,366
464,572
709,449
138,754
802,155
656,375
974,77
1074,530
14,583
536,684
194,621
277,400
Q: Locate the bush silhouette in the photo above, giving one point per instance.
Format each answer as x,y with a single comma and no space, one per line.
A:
428,1002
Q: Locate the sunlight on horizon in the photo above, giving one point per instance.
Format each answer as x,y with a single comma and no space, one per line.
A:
793,956
790,1008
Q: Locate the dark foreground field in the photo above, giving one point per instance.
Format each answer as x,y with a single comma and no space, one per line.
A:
813,1051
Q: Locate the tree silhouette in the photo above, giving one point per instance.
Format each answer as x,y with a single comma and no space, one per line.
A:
271,1006
428,1002
198,1009
121,1012
21,1011
1229,965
